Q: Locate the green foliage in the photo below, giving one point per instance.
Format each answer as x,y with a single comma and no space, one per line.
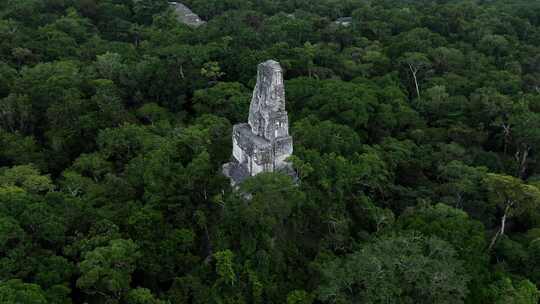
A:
141,296
507,291
299,297
416,146
230,100
212,71
451,225
511,193
107,270
396,269
15,291
224,267
326,136
26,177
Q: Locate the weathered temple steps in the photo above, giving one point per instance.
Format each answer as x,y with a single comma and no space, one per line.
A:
263,144
185,15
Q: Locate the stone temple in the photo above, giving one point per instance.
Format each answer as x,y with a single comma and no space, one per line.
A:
185,15
263,144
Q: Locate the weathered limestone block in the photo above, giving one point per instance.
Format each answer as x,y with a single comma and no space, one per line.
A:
263,144
185,15
344,21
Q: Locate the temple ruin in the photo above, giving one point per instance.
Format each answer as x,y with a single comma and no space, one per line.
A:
185,15
263,144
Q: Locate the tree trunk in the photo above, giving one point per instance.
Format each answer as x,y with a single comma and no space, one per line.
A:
182,72
506,129
523,163
208,248
414,72
502,228
522,157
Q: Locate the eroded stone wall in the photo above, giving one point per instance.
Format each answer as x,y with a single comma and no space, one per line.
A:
263,144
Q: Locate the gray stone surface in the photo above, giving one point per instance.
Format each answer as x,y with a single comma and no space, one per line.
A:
344,21
186,16
263,144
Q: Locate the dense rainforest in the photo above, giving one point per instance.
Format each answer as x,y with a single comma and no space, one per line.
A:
417,145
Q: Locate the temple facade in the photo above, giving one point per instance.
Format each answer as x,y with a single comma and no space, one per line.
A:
263,143
185,15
